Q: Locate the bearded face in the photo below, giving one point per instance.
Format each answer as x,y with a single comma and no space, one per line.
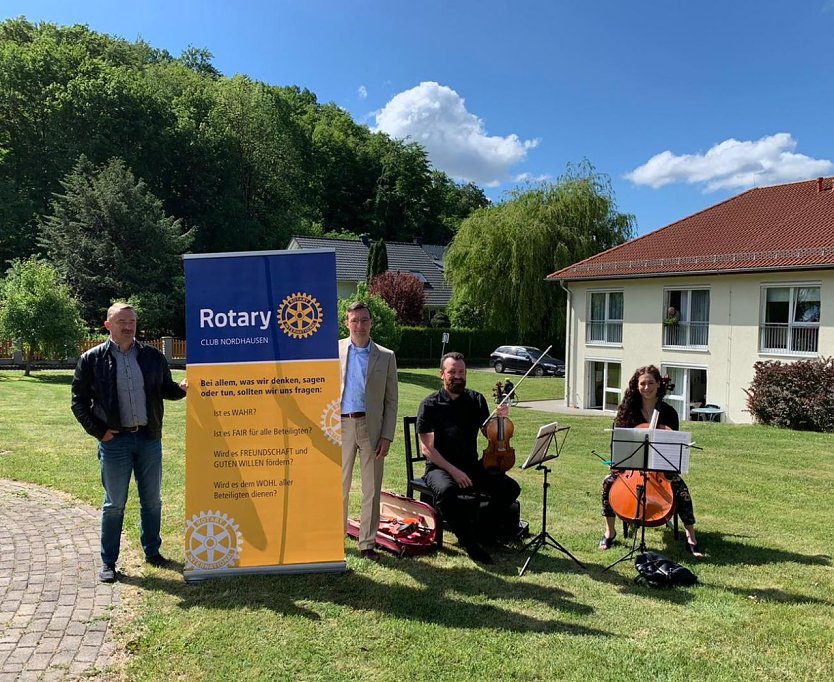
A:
453,375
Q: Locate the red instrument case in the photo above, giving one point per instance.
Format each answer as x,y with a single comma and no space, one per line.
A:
406,527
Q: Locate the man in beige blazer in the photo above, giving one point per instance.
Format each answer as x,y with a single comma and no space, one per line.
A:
369,417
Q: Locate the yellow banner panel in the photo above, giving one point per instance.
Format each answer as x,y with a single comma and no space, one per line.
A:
264,465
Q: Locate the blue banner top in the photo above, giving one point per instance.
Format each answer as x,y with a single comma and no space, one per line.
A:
261,307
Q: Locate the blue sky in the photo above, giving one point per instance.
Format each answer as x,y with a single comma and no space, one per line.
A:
682,104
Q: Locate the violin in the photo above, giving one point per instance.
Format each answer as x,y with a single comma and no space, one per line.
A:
498,455
498,430
626,494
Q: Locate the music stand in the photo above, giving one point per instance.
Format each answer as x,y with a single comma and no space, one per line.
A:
547,435
647,450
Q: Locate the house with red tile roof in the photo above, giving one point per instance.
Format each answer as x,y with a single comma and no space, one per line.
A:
751,278
424,261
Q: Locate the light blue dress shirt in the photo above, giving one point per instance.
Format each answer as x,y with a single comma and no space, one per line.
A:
353,396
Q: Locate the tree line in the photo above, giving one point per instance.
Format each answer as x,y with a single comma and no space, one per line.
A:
117,157
239,164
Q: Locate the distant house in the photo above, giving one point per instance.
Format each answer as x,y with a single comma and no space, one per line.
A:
424,261
749,279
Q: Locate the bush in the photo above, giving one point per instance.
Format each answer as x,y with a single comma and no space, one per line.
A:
38,311
440,320
466,315
795,395
385,330
403,292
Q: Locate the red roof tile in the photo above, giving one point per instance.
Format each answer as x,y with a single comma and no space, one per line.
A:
767,228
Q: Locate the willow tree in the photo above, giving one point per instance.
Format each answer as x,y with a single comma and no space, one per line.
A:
501,254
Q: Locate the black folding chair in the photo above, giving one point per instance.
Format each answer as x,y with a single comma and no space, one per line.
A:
414,453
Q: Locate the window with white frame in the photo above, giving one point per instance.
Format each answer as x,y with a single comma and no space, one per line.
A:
686,318
605,317
790,319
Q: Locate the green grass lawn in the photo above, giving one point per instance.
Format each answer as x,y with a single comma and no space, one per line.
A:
762,611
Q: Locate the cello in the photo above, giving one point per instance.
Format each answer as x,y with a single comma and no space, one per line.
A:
643,497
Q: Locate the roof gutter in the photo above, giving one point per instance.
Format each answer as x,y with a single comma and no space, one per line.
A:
569,325
695,273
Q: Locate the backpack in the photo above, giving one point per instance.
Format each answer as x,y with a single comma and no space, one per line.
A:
655,570
406,527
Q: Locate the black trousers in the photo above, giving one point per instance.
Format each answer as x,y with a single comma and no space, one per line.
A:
460,510
683,500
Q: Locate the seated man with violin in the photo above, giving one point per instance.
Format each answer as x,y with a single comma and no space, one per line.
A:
643,396
448,423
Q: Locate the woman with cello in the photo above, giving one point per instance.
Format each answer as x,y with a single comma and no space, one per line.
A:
643,396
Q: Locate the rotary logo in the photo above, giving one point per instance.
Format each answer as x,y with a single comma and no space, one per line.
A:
299,315
331,423
212,541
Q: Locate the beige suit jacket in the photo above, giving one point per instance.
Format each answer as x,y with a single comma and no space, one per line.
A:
381,391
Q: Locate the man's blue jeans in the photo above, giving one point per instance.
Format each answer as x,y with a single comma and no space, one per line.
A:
122,455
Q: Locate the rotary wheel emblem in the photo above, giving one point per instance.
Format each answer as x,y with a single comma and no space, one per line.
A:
331,423
212,541
299,315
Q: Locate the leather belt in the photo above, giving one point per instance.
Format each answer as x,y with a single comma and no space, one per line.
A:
353,415
131,429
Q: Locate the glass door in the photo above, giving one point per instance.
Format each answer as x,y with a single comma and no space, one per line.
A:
688,390
604,385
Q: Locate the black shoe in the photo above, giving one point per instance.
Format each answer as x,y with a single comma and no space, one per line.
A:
107,574
157,560
478,553
369,554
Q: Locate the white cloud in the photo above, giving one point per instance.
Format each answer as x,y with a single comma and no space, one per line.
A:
733,164
456,141
362,91
525,178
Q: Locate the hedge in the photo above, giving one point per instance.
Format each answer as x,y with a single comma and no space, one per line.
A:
795,395
421,345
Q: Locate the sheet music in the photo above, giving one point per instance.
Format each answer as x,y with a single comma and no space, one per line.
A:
669,450
539,451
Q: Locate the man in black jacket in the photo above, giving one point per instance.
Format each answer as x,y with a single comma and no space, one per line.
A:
117,395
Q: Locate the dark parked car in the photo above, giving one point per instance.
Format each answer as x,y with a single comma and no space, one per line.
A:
521,358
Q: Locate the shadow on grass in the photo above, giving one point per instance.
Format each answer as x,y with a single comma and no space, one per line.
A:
435,598
604,571
721,550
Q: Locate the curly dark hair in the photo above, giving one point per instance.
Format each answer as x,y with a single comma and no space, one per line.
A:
630,411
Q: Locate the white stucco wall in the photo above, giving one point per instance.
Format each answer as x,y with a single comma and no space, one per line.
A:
735,311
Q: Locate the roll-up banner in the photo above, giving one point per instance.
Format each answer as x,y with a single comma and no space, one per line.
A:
263,455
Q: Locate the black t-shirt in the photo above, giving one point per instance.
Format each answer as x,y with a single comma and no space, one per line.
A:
668,417
455,424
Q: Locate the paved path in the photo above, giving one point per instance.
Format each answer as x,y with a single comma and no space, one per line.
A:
559,407
54,614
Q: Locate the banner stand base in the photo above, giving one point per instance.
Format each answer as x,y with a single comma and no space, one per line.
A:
196,575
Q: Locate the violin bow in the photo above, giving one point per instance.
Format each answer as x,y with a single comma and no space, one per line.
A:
513,389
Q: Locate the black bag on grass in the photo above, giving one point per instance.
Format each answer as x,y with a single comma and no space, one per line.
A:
655,570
